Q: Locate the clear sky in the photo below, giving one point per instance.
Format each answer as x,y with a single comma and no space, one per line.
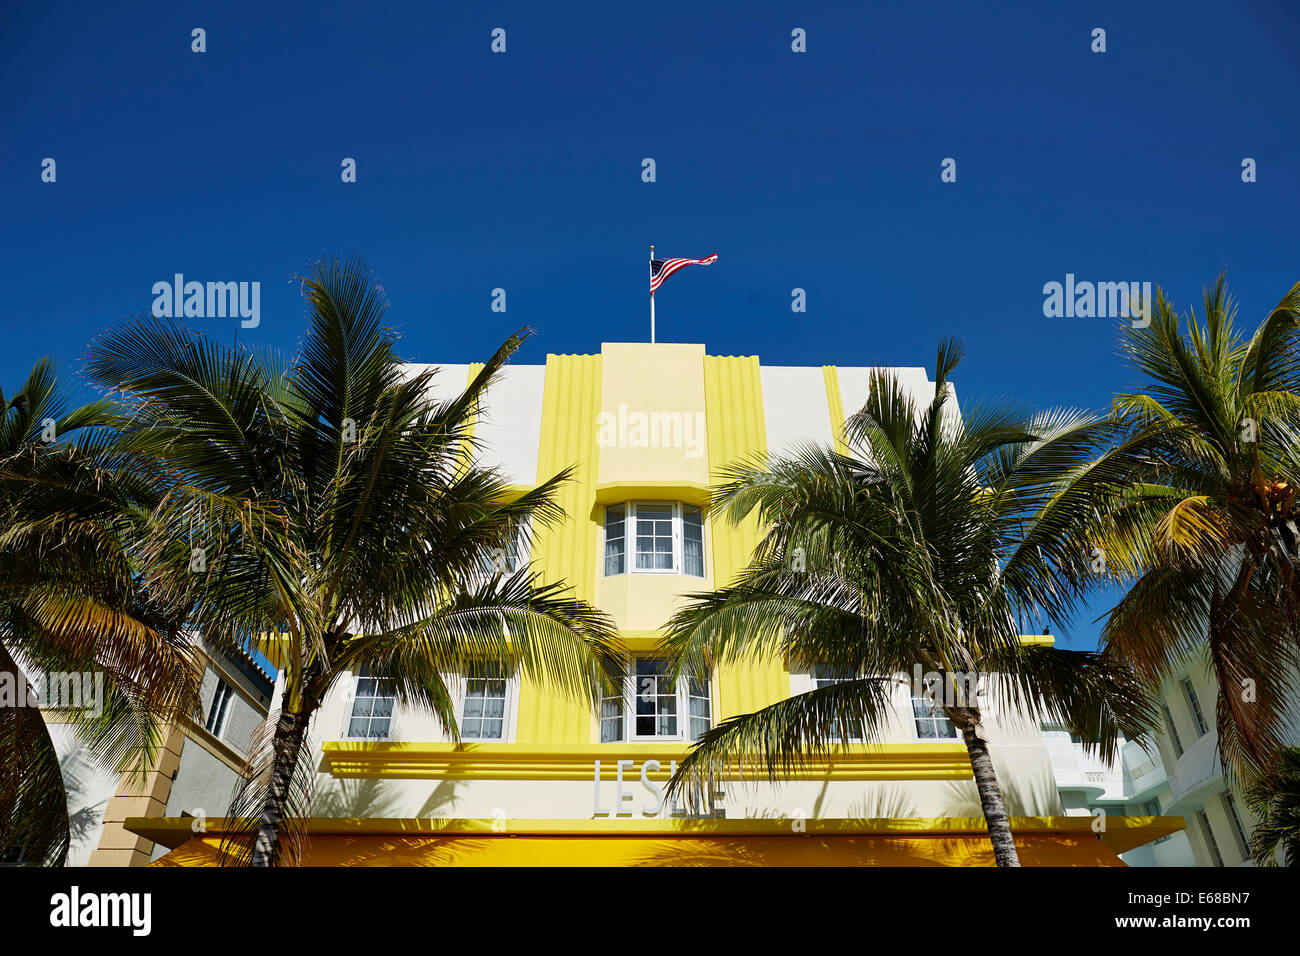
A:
523,171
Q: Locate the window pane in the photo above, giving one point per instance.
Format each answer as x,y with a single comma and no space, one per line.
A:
483,713
700,707
931,722
612,709
654,537
615,541
373,705
656,699
692,542
1173,732
216,722
615,556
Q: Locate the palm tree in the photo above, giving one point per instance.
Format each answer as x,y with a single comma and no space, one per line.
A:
1207,533
73,501
1275,798
332,503
932,540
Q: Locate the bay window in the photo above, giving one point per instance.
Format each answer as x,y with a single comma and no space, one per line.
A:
666,537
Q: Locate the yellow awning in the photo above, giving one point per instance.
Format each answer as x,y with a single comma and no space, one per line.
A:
1041,841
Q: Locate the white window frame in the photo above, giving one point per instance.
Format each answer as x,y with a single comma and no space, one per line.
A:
510,715
357,676
913,717
683,697
220,706
631,518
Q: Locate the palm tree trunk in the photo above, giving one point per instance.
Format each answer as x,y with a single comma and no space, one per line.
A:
289,732
986,782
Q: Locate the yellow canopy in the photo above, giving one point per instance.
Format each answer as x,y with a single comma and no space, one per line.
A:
1041,841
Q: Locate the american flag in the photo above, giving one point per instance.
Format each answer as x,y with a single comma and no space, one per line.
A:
661,269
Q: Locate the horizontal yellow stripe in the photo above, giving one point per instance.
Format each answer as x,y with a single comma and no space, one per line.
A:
401,760
1122,833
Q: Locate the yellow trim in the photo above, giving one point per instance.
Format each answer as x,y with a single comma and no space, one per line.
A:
491,761
513,492
733,401
641,640
691,492
835,404
467,446
1121,833
565,552
274,648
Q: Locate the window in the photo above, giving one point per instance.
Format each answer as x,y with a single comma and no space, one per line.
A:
483,709
1152,809
823,676
667,538
656,700
1194,703
1208,834
654,537
660,708
1243,842
372,706
931,722
611,713
615,540
700,707
219,712
1173,732
692,541
505,561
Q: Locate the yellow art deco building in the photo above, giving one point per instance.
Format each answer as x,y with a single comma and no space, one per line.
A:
544,780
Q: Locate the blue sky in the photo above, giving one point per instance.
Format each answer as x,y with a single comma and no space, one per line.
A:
522,171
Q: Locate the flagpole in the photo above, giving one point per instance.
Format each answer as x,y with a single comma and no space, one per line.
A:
652,295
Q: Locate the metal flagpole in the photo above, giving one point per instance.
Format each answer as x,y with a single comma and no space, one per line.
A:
652,295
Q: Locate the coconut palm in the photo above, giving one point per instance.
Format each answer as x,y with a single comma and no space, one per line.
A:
332,503
1275,798
74,501
1206,537
935,539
